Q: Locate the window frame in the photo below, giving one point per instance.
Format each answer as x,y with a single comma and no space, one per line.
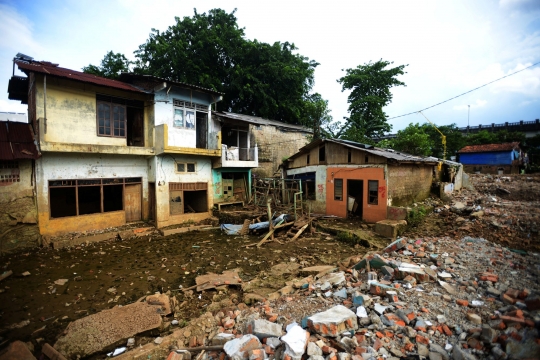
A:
186,164
90,182
375,196
335,186
186,107
112,124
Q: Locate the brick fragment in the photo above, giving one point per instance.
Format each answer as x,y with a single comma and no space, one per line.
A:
462,302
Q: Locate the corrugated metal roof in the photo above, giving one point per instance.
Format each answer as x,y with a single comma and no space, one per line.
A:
129,76
54,70
260,121
386,153
490,147
17,141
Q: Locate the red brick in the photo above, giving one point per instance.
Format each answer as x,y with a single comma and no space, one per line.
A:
524,293
377,344
511,319
422,340
462,302
446,330
507,299
359,350
512,293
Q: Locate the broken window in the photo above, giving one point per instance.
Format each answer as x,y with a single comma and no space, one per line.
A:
188,198
9,172
338,189
87,196
373,194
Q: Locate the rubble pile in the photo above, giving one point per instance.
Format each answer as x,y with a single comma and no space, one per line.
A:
433,298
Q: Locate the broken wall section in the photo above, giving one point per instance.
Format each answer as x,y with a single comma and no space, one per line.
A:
18,214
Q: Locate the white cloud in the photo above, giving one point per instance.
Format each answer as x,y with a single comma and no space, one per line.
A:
12,106
16,32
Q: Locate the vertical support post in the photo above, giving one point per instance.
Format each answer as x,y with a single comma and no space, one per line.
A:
270,223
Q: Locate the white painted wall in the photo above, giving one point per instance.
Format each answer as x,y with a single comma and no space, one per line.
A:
164,114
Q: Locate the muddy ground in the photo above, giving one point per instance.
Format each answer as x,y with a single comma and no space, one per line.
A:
102,275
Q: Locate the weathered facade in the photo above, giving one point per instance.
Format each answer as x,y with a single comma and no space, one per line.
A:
274,140
344,178
492,158
18,215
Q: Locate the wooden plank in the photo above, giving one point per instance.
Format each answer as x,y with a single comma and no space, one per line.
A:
211,280
133,202
299,232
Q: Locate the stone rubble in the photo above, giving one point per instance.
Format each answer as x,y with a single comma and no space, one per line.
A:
435,298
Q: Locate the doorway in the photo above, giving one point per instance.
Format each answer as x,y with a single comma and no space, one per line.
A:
201,130
133,202
355,198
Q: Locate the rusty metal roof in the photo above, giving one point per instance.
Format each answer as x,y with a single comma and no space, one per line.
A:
48,68
490,148
392,155
130,77
17,141
260,121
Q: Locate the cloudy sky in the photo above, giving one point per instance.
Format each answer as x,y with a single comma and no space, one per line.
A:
450,46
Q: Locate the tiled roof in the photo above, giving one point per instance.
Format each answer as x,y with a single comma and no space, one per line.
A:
48,68
490,148
17,141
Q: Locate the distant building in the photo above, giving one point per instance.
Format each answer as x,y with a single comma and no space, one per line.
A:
492,158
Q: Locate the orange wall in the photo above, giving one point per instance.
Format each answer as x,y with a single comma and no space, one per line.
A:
370,213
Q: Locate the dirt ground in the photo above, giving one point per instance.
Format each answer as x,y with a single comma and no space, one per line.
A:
102,275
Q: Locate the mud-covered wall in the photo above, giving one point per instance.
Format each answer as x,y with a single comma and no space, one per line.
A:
18,215
408,183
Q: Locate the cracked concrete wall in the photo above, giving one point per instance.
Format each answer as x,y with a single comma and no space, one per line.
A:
18,215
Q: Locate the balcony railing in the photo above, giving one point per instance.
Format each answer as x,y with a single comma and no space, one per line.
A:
232,156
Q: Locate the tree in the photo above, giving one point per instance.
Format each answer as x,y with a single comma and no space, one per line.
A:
210,50
370,86
111,66
413,140
454,139
317,116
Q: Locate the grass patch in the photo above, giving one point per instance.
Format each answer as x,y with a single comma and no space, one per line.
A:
416,215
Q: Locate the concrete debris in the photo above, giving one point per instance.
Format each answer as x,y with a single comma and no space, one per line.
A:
17,350
333,322
238,348
295,341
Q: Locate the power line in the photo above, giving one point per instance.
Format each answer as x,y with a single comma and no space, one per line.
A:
481,86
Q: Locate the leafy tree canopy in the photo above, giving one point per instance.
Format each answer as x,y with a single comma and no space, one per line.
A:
111,66
210,50
370,86
454,139
413,140
317,116
499,137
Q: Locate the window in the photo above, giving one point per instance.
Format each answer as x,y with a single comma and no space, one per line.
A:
338,189
185,114
188,198
9,172
111,119
373,194
367,159
87,196
349,156
185,167
321,154
307,159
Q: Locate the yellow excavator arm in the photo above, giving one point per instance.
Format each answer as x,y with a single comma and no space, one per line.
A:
442,135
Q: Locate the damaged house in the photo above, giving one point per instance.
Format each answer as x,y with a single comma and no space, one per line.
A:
115,152
345,178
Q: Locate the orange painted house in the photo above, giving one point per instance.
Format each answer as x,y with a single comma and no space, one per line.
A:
349,179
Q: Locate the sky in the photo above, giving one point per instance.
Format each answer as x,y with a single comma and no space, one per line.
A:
449,47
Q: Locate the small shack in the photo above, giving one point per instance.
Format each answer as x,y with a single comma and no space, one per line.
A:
492,158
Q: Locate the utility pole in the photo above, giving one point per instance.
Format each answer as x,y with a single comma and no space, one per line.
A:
468,117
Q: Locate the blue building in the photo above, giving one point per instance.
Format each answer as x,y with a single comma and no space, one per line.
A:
492,158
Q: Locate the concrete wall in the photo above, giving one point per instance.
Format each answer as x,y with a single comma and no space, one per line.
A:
18,214
217,181
408,183
56,166
71,113
165,173
274,145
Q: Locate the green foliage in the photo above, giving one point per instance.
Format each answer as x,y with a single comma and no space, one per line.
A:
317,116
454,140
370,86
210,50
413,140
111,66
416,215
499,137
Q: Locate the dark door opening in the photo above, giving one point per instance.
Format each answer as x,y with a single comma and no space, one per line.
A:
201,130
135,126
152,201
355,198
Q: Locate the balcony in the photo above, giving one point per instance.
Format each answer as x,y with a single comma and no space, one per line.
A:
187,142
232,156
